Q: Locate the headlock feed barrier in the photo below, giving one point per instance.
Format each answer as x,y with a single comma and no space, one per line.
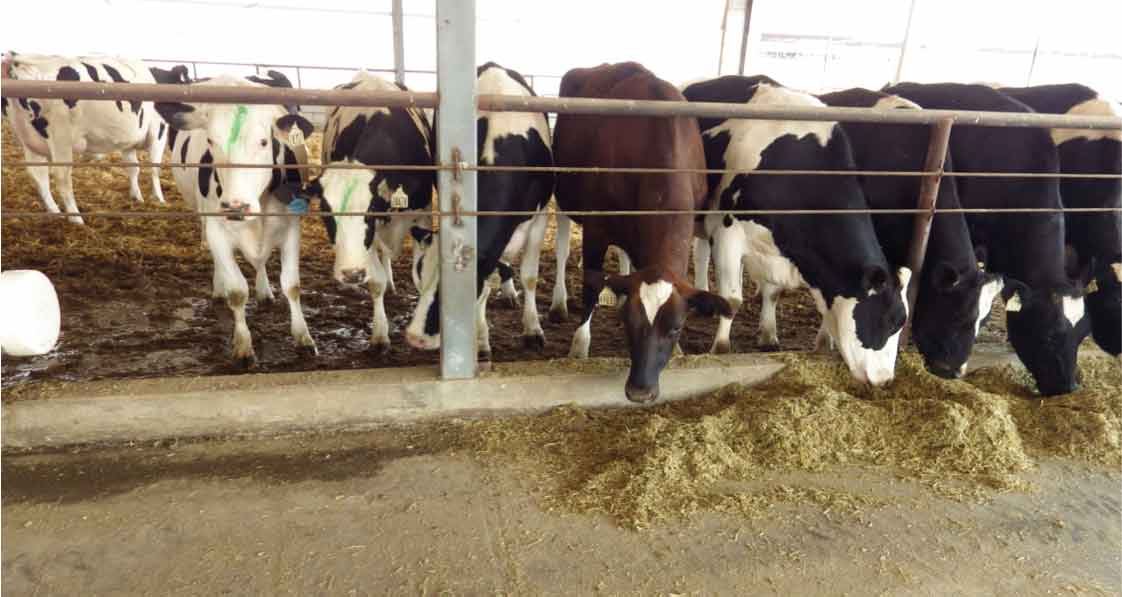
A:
456,163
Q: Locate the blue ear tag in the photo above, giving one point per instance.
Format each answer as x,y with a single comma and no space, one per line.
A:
298,205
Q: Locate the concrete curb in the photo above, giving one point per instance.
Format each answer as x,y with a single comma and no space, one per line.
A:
146,410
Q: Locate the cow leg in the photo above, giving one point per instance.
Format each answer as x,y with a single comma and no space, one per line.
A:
377,283
532,334
482,330
134,176
262,290
41,175
290,283
769,330
592,256
507,292
228,276
62,150
156,144
729,244
701,255
823,341
559,307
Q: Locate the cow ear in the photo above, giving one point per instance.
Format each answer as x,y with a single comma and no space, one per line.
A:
1015,294
292,130
184,117
945,276
874,278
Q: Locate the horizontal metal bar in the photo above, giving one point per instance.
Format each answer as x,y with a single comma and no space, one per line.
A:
221,94
612,213
618,107
419,71
571,169
560,105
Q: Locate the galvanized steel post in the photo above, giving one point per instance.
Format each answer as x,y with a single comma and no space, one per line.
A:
921,227
398,44
456,145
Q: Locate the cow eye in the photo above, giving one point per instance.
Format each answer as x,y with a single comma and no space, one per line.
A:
264,143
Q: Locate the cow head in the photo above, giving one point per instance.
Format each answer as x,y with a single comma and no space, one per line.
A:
866,327
243,134
951,307
653,312
1104,307
360,190
1046,326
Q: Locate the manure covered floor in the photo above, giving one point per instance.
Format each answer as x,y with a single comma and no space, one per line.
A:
379,514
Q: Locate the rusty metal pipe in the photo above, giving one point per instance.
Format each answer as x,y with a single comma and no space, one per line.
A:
921,225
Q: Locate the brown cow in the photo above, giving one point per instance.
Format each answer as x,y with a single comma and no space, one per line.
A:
657,294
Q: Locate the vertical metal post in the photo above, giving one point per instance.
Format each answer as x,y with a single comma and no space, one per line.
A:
744,36
398,44
921,227
904,45
299,81
456,144
1032,63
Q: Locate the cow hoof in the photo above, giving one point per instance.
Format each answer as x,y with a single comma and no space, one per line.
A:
534,341
267,300
306,347
721,347
379,347
769,347
484,365
246,363
559,314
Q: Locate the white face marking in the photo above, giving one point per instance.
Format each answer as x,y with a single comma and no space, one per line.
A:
348,191
989,291
876,367
500,124
1073,309
1091,107
654,296
749,138
1013,305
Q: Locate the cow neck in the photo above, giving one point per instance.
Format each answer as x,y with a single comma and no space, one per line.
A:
663,241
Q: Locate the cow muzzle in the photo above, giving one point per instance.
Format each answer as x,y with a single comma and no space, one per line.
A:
641,395
235,210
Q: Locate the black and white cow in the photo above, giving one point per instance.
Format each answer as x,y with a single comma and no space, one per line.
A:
1096,238
248,134
860,296
504,139
364,247
1044,308
59,130
954,295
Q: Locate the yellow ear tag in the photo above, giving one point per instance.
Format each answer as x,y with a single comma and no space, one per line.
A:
982,266
1092,287
607,298
399,200
295,136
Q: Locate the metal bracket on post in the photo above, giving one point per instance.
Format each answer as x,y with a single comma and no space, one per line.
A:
456,143
921,226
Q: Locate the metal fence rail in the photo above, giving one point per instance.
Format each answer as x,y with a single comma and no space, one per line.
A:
82,90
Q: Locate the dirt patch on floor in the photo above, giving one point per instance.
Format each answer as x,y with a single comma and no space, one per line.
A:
135,297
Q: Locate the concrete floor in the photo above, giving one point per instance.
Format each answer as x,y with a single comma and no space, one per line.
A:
373,514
